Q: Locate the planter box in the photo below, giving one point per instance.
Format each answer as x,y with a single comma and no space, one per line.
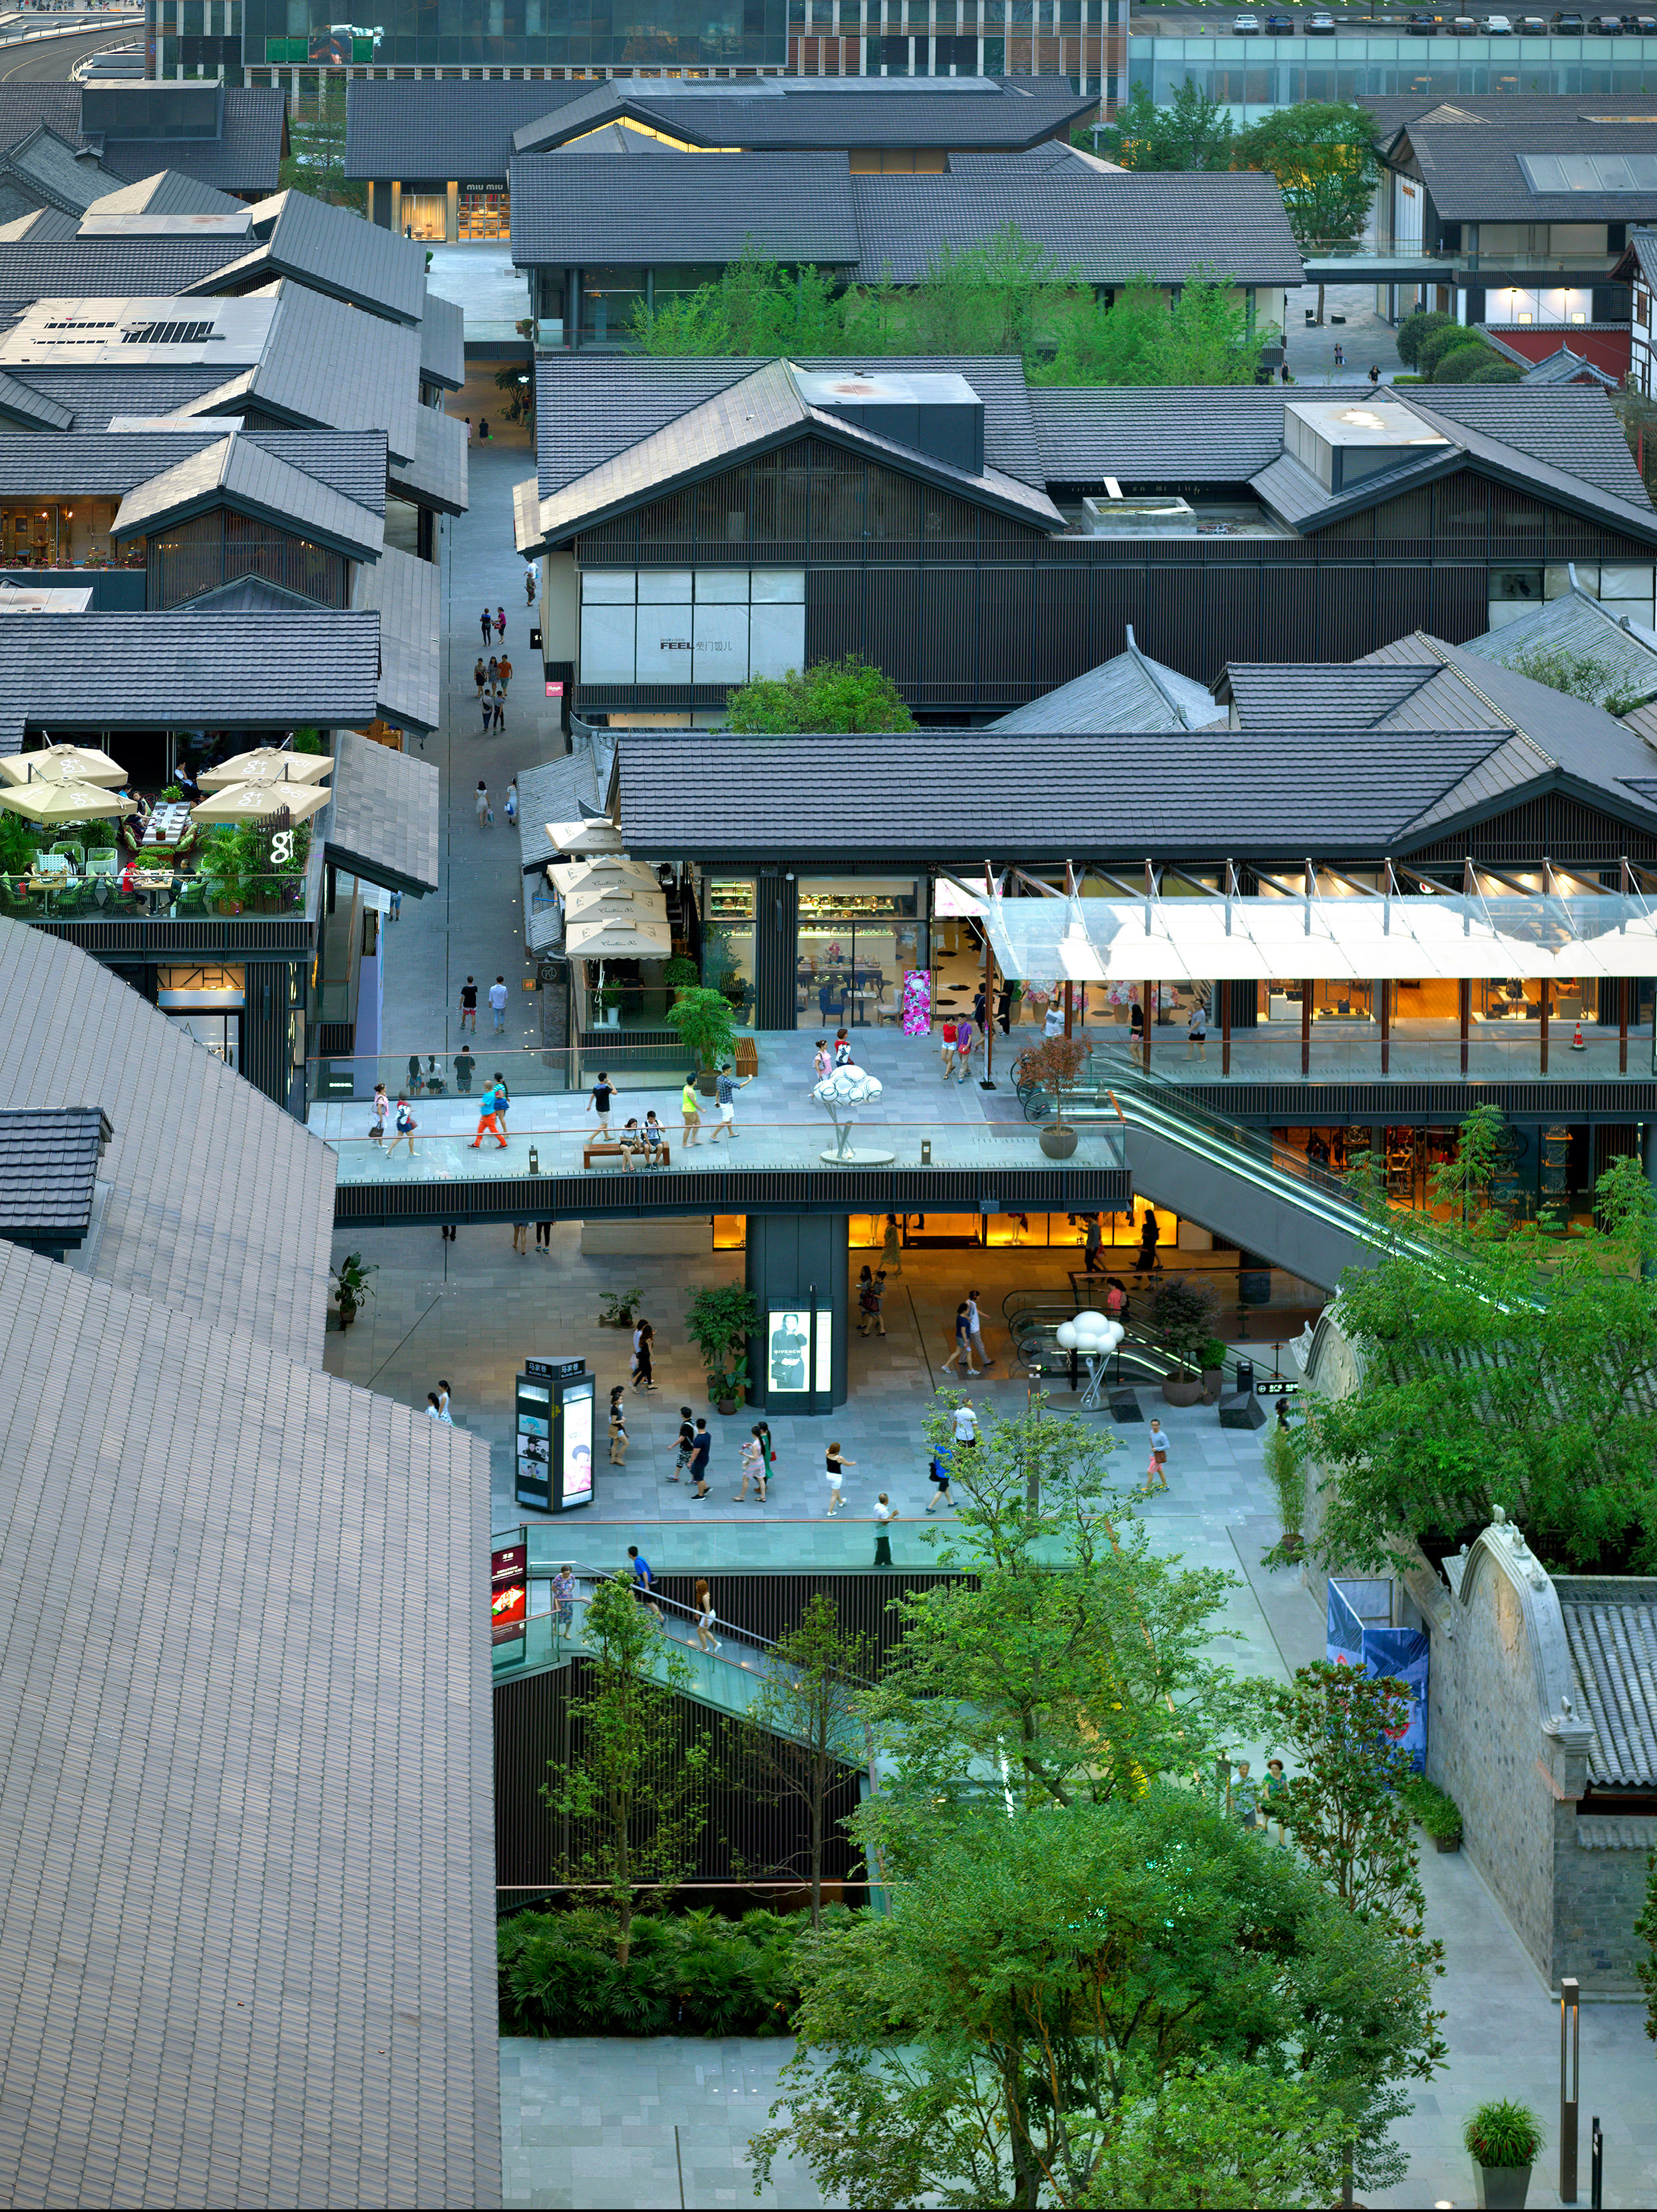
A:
1178,1393
1058,1144
1502,2188
1453,1844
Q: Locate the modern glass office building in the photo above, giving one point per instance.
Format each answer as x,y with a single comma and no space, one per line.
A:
1254,74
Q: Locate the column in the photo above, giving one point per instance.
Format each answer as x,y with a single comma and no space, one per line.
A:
397,208
794,1260
776,949
1306,1026
452,216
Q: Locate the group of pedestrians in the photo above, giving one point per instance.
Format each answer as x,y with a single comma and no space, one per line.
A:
437,1404
646,1137
486,805
493,680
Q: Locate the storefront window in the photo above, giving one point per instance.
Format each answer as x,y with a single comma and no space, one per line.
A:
610,299
1341,1002
485,211
46,533
426,215
859,937
728,941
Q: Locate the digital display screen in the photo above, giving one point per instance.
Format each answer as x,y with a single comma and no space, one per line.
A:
508,1592
788,1337
576,1445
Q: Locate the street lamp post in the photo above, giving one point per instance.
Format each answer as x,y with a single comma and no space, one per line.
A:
1571,2082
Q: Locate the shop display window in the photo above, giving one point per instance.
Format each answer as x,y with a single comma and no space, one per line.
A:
49,533
858,936
728,939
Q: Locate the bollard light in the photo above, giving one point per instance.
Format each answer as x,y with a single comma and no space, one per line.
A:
926,1151
535,1161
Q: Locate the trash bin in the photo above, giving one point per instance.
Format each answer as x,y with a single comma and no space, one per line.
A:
1245,1375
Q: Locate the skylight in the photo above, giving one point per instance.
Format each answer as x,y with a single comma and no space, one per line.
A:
1590,172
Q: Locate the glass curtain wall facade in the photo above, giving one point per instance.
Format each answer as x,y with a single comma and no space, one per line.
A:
1252,75
1084,40
519,33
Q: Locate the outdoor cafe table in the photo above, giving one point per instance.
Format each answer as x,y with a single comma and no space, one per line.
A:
167,824
157,882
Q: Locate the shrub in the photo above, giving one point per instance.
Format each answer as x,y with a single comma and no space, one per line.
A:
1461,363
1501,2132
693,1973
1439,1814
1436,344
1497,372
307,741
680,973
1414,330
1285,1473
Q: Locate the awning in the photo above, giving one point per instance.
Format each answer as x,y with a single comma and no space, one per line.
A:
1366,937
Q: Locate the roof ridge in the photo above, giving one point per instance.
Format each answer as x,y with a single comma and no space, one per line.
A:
1503,713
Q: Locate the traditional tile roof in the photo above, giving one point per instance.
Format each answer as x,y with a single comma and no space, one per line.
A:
1576,624
49,1157
463,127
327,363
1475,173
336,251
251,480
443,342
90,400
575,208
1613,1649
104,268
168,191
383,821
436,476
1131,692
407,595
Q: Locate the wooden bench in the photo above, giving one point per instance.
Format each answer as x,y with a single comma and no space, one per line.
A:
600,1150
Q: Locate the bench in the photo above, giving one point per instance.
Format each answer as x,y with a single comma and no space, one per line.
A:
598,1149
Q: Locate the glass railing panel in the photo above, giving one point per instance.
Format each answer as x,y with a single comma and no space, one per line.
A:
92,890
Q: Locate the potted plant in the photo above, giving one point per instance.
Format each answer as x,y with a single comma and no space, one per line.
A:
679,975
1055,1066
719,1321
616,1312
609,1000
1439,1814
707,1027
1503,2138
351,1286
1182,1321
1283,1473
1211,1360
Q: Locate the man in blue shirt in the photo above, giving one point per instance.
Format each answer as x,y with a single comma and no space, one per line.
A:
726,1089
644,1583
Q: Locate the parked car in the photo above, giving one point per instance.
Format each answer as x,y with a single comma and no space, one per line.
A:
1463,27
1532,27
1421,26
1244,22
1568,27
1321,26
1498,27
1604,27
1640,27
1277,26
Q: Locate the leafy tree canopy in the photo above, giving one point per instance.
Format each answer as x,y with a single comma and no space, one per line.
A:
1583,675
316,160
1191,132
830,696
1323,154
1204,338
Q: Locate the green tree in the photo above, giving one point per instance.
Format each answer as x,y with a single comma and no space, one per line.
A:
1449,337
635,1797
1068,1659
804,1723
1646,1929
315,162
1414,330
1583,675
1465,363
755,307
989,298
1201,337
1323,154
1223,2138
829,696
1502,1362
1191,132
1038,1969
706,1026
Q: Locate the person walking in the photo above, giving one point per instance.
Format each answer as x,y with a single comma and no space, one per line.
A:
512,804
843,1054
834,1465
1052,1022
1092,1242
485,811
484,432
644,1344
644,1583
443,1399
966,1427
1149,1236
397,905
690,1105
706,1639
974,1330
562,1590
891,1246
382,1108
940,1479
498,703
529,586
503,1100
543,1238
1004,1007
617,1427
963,1342
598,1103
480,676
1136,1029
489,624
497,1003
701,1447
726,1089
520,1236
463,1066
489,1117
753,1469
406,1126
486,701
1375,375
500,618
687,1440
823,1061
1244,1796
946,1050
1275,1809
963,1050
1340,354
503,672
872,1314
468,1005
1196,1036
1156,1466
885,1514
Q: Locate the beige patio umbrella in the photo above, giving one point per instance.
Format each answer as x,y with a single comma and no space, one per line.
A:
609,869
61,763
55,801
585,837
255,802
264,762
618,940
587,903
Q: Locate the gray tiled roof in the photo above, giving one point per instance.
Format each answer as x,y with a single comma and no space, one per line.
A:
253,481
1053,155
1570,428
49,1159
407,594
1474,174
620,138
104,268
46,157
20,402
1613,1649
168,191
459,128
383,822
244,158
572,209
1576,624
1567,367
176,670
750,416
443,342
437,475
326,362
192,1225
1107,228
40,224
1290,492
339,252
109,464
589,410
1131,692
1341,696
686,794
1393,111
554,791
92,397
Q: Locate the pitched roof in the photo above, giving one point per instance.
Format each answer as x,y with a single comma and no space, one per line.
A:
1574,623
574,209
553,790
325,361
1108,229
49,1157
338,252
437,475
104,268
764,409
91,399
45,159
174,671
251,480
21,403
1476,173
109,464
462,126
1340,696
245,157
443,342
1131,692
383,822
407,594
1613,1649
168,191
193,1227
588,409
1290,492
1393,110
40,224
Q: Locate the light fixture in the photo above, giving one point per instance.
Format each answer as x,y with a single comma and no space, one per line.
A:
535,1161
1578,319
1527,318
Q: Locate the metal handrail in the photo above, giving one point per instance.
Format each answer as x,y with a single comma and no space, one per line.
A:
651,1596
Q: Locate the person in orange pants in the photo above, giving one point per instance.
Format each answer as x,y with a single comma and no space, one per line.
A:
490,1105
